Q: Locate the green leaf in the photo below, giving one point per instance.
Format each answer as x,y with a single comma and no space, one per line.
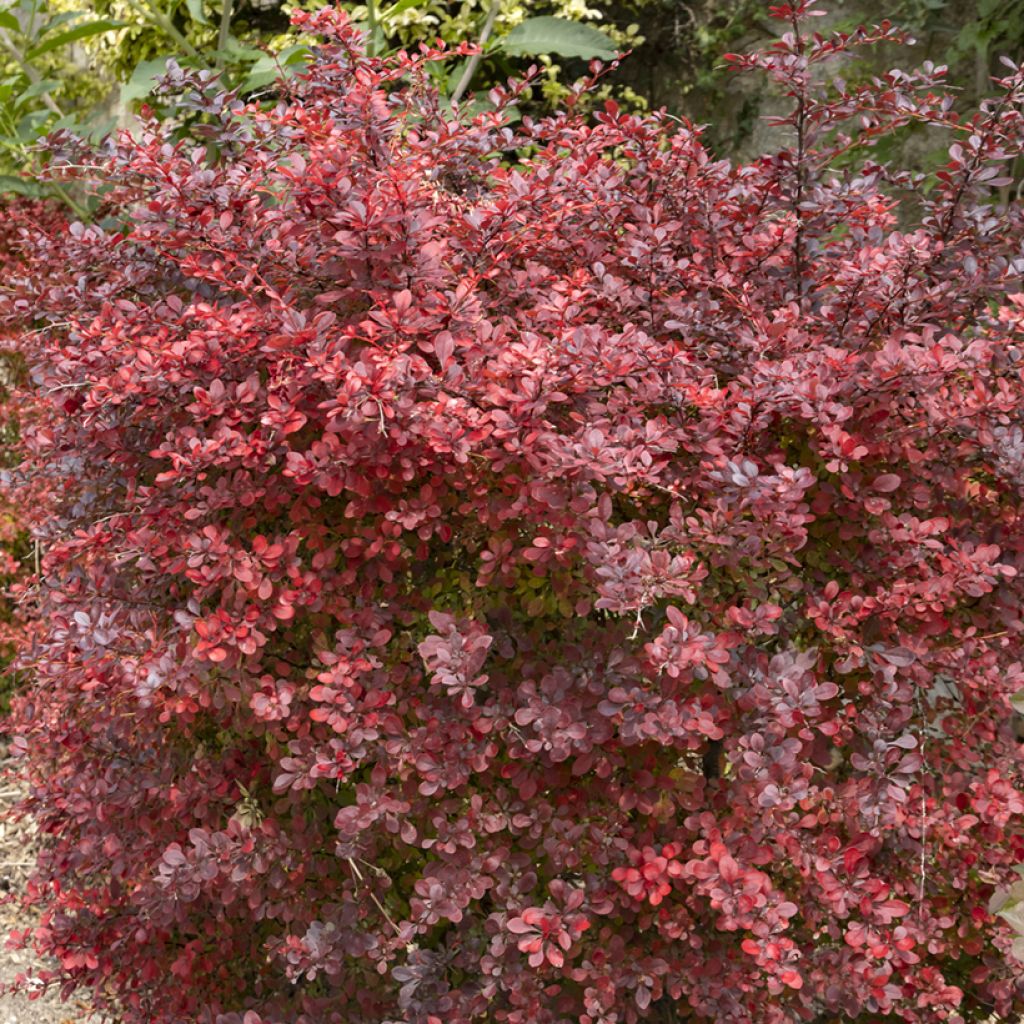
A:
97,129
261,73
1013,915
31,126
9,183
72,35
1017,702
557,35
143,78
9,22
481,105
300,53
236,51
1007,899
94,129
64,18
39,88
196,12
271,66
403,5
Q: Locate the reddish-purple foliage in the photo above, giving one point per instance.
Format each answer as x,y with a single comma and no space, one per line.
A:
21,221
580,586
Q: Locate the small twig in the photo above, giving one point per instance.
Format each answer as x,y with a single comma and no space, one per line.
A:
923,866
373,896
639,624
467,75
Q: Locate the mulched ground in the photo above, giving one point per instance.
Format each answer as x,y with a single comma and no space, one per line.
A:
16,843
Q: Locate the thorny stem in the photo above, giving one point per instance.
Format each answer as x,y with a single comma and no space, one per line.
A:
923,867
969,170
373,896
801,138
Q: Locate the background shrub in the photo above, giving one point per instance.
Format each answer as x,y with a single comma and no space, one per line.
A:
529,575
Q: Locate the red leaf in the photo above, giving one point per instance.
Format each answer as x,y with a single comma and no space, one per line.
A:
886,482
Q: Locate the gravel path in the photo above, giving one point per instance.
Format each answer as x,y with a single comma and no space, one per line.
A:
15,862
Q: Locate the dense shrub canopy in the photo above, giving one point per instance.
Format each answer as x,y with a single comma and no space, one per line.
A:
20,219
530,575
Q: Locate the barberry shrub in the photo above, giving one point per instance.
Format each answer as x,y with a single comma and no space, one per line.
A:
530,574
